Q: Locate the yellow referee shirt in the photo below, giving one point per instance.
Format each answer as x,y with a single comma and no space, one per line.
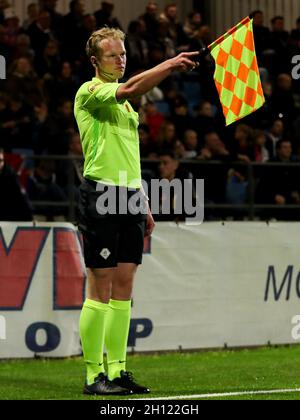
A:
109,135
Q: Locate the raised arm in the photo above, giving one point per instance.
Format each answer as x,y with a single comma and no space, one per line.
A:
142,83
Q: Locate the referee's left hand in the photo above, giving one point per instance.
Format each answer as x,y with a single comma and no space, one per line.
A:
150,225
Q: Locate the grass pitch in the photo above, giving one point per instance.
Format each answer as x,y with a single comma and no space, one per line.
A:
170,375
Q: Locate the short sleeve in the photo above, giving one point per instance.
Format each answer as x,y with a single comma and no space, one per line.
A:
102,94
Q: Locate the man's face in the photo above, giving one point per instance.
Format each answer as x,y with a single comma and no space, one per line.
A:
168,167
152,9
277,128
80,7
285,82
285,151
258,19
44,20
214,144
90,23
206,110
112,62
278,25
1,162
67,109
172,12
191,139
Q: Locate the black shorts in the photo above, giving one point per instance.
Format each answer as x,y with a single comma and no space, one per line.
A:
111,239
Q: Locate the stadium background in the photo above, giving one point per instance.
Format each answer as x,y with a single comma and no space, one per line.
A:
36,123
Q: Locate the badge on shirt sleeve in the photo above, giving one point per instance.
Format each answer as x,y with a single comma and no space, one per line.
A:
93,87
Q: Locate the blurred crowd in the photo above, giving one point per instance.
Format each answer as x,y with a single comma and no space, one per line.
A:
181,121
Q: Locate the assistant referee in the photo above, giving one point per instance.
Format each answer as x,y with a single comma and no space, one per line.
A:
113,243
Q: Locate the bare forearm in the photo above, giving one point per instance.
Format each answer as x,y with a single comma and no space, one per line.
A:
144,82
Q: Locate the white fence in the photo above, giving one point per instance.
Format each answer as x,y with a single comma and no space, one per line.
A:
207,286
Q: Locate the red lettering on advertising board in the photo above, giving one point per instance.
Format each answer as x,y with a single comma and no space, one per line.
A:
69,274
18,262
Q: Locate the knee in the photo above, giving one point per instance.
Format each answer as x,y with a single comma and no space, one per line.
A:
99,286
124,281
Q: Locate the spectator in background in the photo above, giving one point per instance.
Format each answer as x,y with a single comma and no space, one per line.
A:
267,113
279,34
205,121
23,48
5,50
14,205
242,146
167,136
43,129
148,148
237,188
274,135
65,83
51,130
19,124
191,144
279,43
180,116
281,185
4,4
154,119
23,80
104,16
161,46
202,38
170,169
75,151
179,150
296,130
137,47
56,17
40,33
5,124
32,16
150,17
42,186
214,148
154,95
71,26
70,174
193,24
261,153
216,176
89,25
12,27
283,98
63,122
175,29
48,65
74,19
261,34
295,34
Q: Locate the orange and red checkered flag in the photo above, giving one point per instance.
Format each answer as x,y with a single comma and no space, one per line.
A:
237,75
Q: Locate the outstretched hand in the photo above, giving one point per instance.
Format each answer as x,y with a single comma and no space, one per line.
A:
184,61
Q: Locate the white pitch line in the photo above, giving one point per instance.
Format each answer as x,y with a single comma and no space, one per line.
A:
227,394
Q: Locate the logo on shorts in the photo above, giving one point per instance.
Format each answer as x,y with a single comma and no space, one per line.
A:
105,253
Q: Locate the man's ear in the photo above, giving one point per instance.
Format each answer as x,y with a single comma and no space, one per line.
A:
94,61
